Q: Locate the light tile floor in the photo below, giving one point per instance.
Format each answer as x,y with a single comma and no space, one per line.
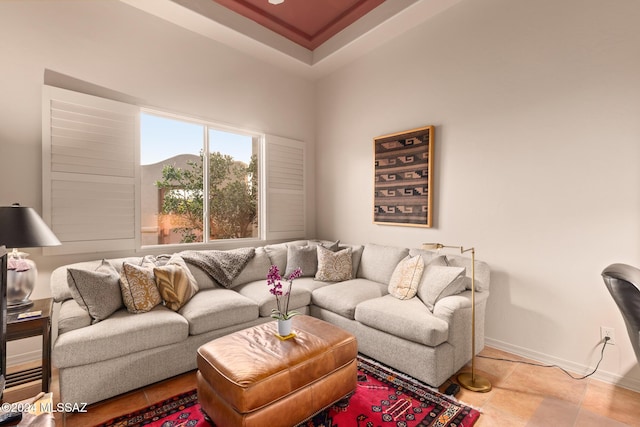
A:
532,396
522,395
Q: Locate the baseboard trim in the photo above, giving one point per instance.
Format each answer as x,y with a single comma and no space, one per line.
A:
605,376
22,358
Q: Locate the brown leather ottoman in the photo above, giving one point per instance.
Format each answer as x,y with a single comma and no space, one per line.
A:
253,378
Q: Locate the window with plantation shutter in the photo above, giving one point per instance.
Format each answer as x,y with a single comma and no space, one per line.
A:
90,147
285,188
92,176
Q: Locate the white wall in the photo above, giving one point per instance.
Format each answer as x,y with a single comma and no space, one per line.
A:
119,48
536,107
537,112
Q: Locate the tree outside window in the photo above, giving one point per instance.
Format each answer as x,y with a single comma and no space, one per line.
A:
178,214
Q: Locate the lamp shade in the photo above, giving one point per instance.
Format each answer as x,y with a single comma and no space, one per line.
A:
22,227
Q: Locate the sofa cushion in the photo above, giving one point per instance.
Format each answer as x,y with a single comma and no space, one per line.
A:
256,269
408,319
440,281
303,257
277,256
334,266
343,297
378,262
258,292
310,283
213,309
121,334
202,278
406,277
97,291
138,286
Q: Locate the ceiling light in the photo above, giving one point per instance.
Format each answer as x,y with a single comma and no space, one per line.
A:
276,1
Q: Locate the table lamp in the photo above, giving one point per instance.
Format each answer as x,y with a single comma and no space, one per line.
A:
468,380
22,227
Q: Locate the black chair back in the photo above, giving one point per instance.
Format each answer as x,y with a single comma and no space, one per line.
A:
623,283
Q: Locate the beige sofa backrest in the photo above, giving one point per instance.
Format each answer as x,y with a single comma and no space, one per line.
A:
378,262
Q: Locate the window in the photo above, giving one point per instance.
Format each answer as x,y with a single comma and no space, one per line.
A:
117,177
199,183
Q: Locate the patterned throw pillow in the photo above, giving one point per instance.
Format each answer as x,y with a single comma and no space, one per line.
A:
175,283
97,291
440,281
406,277
138,286
334,266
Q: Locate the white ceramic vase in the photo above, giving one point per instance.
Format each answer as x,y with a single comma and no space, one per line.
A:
284,327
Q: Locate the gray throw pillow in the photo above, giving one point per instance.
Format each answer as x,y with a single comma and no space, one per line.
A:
440,281
332,246
304,257
97,291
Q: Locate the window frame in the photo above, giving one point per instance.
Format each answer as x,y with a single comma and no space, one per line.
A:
282,173
207,126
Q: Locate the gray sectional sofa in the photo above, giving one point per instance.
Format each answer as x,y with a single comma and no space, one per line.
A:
125,351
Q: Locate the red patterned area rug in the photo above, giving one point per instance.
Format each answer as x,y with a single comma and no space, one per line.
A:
384,397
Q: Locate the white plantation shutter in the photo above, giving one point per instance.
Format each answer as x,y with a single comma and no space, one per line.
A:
90,159
285,188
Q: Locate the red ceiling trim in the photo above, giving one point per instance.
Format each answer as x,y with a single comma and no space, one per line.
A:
342,21
285,29
267,20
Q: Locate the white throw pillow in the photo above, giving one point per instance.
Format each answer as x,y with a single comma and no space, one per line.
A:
406,277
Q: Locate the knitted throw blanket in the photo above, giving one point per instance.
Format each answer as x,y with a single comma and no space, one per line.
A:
222,266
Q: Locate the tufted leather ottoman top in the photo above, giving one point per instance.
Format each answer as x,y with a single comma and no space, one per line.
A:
252,368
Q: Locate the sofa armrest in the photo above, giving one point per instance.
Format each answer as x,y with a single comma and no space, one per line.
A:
456,311
446,308
71,316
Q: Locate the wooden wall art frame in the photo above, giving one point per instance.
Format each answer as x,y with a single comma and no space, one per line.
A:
403,178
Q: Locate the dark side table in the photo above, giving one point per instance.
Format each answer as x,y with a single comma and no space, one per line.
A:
32,327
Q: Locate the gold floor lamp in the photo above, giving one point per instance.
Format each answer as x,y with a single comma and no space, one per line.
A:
468,380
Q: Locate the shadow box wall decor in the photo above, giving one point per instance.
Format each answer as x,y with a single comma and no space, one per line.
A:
403,178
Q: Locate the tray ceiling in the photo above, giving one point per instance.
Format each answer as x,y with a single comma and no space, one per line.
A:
307,23
308,37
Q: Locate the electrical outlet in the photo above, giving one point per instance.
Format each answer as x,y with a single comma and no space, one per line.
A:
606,331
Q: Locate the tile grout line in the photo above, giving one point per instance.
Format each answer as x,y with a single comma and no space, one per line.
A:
581,402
